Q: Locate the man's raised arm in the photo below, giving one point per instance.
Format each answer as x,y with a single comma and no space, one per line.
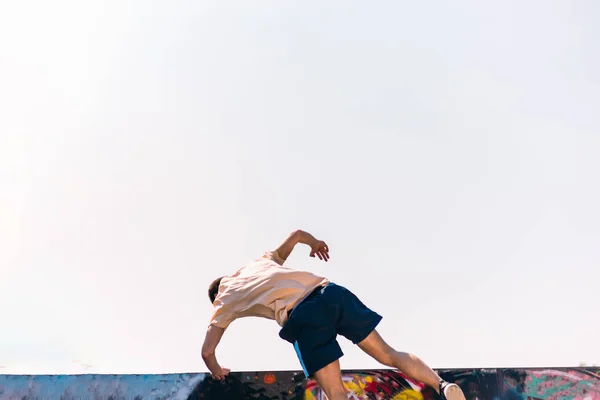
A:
317,247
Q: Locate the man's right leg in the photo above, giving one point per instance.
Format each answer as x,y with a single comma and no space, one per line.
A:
357,323
411,365
329,379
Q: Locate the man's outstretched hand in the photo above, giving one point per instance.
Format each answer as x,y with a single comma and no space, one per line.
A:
320,249
221,374
317,247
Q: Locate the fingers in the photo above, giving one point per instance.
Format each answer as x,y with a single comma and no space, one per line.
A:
321,251
325,252
323,255
221,375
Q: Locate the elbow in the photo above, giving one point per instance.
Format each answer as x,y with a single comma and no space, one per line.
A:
206,354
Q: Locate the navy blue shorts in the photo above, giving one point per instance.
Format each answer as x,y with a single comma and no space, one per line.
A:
314,324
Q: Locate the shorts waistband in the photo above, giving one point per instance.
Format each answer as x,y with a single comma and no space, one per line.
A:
313,292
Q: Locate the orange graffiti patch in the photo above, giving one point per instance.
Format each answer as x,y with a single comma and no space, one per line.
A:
269,379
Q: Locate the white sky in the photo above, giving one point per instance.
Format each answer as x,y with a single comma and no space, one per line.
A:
447,153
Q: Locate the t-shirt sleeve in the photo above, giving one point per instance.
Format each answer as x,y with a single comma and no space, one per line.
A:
274,255
224,313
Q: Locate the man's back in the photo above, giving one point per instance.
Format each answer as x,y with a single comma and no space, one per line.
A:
262,288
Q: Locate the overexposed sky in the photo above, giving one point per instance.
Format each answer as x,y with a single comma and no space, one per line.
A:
448,153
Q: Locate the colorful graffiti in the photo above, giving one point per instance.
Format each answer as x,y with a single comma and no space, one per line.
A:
375,385
551,384
478,384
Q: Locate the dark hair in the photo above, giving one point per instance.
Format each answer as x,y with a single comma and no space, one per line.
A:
213,289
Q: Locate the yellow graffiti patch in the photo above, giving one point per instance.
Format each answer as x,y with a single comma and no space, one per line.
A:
308,395
408,394
354,388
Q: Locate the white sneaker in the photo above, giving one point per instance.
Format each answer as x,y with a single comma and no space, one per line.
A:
451,391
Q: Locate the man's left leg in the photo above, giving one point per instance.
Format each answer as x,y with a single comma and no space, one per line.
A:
329,379
311,329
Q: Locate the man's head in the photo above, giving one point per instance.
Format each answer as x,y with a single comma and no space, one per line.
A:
213,289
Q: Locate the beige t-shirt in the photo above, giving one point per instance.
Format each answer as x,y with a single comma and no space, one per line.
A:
263,288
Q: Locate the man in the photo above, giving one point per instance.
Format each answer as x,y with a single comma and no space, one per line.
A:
312,311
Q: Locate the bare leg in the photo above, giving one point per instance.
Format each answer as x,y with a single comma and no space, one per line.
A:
329,379
409,364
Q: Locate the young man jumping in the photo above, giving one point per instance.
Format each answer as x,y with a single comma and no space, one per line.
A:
311,311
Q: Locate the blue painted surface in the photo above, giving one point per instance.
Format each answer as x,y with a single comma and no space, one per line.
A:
67,387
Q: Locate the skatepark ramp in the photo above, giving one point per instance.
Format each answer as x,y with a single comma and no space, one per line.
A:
478,384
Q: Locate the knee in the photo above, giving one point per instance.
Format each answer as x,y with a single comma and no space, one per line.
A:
398,359
407,359
389,357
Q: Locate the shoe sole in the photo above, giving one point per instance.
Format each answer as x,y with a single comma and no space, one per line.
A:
453,392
